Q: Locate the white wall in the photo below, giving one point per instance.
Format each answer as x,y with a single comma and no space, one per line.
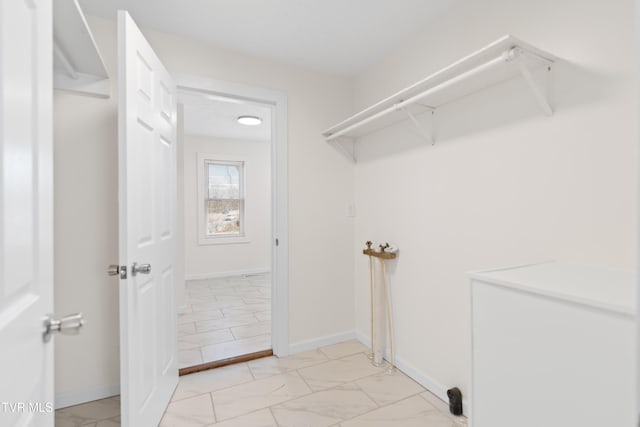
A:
86,204
211,260
85,230
505,184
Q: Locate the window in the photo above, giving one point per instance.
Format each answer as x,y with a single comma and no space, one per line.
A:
224,198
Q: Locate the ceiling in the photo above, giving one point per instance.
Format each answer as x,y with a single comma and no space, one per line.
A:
215,116
335,36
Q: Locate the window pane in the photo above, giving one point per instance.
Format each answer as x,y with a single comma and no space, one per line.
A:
224,198
223,216
224,181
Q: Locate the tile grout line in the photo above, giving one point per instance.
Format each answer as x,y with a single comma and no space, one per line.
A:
269,406
215,391
273,415
232,334
297,371
251,370
390,404
213,407
365,393
378,406
244,415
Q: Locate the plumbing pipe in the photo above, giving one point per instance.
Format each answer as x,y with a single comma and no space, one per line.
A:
389,317
371,300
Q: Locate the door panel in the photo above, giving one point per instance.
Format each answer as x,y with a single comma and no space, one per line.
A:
147,206
26,211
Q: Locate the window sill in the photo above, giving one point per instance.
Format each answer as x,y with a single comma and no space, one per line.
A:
205,241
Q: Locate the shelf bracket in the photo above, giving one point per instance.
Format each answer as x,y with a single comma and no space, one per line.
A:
64,61
346,145
427,134
537,92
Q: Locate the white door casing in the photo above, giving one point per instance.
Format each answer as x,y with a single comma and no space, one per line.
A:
26,212
279,193
147,228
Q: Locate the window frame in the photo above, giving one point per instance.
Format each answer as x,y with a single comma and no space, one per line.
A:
203,162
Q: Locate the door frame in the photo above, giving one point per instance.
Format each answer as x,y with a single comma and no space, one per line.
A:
279,191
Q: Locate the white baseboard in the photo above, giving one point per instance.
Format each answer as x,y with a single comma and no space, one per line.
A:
220,274
314,343
62,400
418,376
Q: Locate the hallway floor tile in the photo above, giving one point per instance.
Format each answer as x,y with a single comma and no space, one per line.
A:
223,318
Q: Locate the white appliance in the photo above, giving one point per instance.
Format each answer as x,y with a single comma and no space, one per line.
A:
552,345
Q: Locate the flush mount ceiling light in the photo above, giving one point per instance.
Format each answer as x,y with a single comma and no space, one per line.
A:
249,120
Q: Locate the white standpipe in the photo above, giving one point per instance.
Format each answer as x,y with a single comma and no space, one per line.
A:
378,322
387,298
371,353
380,305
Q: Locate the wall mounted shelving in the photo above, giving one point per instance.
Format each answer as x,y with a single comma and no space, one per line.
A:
499,61
382,255
77,64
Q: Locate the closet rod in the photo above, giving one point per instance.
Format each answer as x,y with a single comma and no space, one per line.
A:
512,54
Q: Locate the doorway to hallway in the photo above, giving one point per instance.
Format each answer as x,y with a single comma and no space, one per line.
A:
234,214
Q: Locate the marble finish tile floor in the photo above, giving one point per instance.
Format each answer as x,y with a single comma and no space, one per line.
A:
99,413
334,386
224,318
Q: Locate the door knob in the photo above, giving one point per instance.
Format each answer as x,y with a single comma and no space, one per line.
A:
114,270
140,268
68,325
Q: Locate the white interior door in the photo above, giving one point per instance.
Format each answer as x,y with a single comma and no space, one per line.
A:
26,212
147,209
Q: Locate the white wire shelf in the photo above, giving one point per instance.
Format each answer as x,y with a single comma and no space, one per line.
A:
77,64
501,60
